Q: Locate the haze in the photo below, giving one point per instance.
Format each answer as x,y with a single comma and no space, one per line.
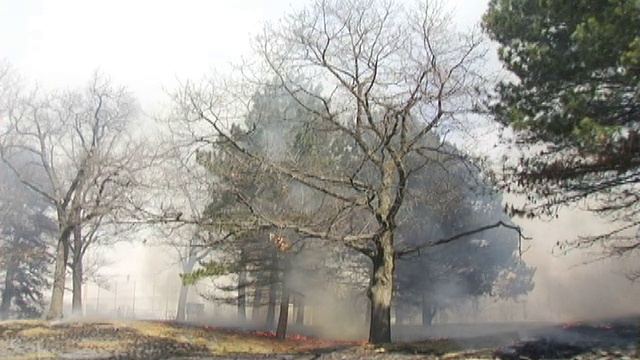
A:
150,46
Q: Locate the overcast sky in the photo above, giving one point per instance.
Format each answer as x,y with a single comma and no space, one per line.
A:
143,44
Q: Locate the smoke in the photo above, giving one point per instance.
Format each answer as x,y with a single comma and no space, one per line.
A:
568,287
576,285
331,282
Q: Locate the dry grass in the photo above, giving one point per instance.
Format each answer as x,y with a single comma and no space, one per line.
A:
23,322
150,328
103,345
34,356
38,332
121,336
217,341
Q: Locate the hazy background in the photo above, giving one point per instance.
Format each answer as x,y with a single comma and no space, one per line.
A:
151,45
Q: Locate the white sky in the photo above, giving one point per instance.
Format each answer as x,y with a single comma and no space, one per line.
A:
143,44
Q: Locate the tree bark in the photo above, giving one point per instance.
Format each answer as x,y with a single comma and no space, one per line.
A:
56,306
187,267
77,271
283,318
271,306
381,289
273,291
8,293
182,303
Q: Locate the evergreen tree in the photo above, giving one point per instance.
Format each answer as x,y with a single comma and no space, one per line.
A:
26,231
574,104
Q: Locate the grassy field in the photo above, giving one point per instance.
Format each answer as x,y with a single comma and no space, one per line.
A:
170,340
140,339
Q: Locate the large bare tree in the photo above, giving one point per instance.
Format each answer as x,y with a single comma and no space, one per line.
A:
80,140
375,80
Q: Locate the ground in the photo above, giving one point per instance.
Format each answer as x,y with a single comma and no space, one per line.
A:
170,340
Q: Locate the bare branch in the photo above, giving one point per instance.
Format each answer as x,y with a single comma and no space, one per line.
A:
417,249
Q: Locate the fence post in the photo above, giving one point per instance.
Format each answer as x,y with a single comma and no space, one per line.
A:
133,305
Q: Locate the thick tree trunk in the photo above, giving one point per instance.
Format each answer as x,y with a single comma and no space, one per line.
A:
283,318
367,314
182,303
381,289
8,293
77,272
56,306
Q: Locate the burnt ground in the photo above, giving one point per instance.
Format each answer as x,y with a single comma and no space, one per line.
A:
613,339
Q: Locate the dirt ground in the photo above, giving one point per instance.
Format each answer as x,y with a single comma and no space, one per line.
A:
167,340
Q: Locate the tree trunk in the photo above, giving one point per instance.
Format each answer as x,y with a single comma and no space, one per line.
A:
77,271
271,306
428,311
8,293
283,318
182,303
242,294
187,267
56,306
77,274
300,310
381,289
273,291
367,314
257,302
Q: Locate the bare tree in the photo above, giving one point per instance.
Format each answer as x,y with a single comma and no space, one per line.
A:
177,207
375,80
80,140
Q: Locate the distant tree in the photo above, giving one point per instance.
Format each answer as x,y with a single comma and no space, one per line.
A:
25,248
80,141
483,264
175,203
191,253
573,103
263,273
